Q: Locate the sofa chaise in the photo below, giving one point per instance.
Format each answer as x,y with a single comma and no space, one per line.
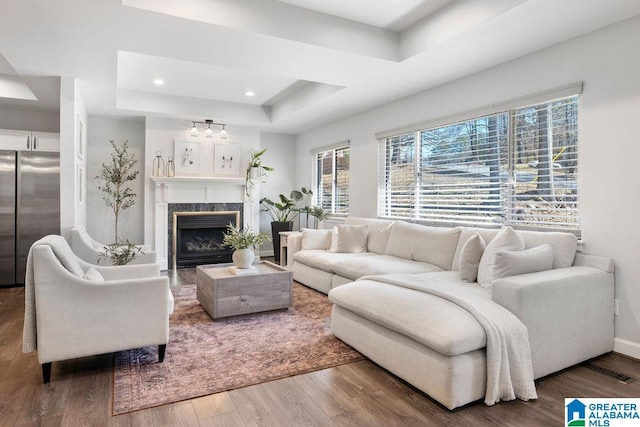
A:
564,298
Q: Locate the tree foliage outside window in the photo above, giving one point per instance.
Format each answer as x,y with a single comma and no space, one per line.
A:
517,167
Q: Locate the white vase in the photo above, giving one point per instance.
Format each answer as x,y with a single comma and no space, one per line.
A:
256,173
243,258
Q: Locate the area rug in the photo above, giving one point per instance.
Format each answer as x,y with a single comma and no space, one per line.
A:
205,356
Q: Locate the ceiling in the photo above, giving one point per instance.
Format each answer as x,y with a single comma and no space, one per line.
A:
307,62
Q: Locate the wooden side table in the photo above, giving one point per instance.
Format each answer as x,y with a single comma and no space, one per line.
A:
283,245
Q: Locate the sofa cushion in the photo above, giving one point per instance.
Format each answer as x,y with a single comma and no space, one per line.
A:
506,240
432,321
324,260
352,238
470,258
378,232
93,275
487,235
564,245
334,239
354,268
315,239
433,245
512,263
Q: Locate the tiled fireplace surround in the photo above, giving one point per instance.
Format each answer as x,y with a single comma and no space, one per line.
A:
186,194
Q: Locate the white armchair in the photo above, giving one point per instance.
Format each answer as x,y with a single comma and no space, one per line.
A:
88,249
75,309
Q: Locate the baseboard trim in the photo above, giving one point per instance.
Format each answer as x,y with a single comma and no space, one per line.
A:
628,348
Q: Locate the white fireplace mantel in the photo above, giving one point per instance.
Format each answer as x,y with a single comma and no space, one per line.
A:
197,179
198,189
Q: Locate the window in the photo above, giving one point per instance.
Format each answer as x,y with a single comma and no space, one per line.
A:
517,167
332,180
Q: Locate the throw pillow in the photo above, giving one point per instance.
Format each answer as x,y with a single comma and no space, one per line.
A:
334,239
93,275
506,240
470,258
512,263
352,238
315,239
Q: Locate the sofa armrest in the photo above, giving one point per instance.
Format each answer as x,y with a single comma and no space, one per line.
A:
586,260
567,311
294,244
146,257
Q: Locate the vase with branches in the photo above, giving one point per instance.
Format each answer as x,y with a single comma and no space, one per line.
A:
116,179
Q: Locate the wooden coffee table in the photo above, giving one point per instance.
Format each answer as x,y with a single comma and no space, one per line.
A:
222,293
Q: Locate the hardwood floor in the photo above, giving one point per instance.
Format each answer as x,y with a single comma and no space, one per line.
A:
357,394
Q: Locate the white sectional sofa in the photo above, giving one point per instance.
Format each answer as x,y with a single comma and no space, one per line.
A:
434,344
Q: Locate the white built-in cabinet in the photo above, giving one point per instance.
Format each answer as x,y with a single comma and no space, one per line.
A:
24,140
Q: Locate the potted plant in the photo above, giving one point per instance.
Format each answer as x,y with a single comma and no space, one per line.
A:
317,212
256,171
282,213
120,253
243,241
116,177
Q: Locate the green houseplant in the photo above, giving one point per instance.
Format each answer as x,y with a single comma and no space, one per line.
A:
120,253
317,212
243,241
256,171
117,177
282,213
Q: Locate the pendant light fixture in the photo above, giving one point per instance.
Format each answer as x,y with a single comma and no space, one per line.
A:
208,132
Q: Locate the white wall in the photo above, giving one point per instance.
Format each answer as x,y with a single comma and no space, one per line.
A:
100,219
609,67
72,210
280,155
160,134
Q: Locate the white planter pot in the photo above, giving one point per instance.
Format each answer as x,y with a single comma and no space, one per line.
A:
255,173
243,258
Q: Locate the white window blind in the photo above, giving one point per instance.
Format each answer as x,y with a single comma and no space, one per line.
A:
545,166
462,169
332,180
515,167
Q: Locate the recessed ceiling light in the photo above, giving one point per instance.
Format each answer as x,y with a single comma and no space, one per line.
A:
249,93
158,82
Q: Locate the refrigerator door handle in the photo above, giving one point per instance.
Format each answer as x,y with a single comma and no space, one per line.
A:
35,147
28,145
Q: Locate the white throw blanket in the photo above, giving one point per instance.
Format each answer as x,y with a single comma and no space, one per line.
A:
509,368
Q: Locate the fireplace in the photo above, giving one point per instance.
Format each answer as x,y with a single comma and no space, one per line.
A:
197,237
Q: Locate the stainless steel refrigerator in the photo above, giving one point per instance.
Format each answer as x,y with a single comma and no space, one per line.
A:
29,207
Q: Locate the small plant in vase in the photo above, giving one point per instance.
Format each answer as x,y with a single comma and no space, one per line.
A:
243,241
